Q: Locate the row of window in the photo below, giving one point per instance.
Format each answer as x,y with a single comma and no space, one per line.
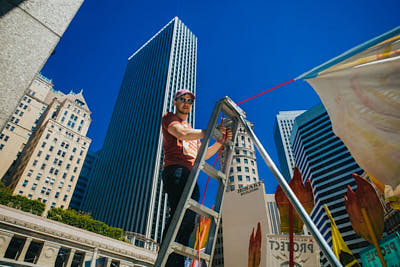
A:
245,161
240,178
239,169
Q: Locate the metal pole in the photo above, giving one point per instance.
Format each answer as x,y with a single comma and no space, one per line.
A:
293,199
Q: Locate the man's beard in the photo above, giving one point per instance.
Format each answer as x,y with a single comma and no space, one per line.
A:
183,111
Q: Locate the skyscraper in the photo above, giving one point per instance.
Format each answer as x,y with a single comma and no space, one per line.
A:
51,160
324,159
126,189
282,130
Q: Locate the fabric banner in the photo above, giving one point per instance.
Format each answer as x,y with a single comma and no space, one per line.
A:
362,97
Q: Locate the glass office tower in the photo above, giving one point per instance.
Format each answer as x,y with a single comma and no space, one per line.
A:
325,160
126,188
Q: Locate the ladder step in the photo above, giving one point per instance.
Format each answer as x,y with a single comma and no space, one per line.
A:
189,252
202,210
207,168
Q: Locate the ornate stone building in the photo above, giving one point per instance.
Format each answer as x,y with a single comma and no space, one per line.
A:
30,240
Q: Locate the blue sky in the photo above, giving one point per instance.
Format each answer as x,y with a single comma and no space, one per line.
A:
244,47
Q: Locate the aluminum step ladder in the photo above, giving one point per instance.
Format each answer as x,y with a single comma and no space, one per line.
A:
232,115
236,116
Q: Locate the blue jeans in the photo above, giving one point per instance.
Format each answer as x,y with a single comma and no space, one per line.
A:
175,178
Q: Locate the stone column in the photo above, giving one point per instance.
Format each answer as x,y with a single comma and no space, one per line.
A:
71,257
21,256
48,254
94,258
108,262
29,30
5,238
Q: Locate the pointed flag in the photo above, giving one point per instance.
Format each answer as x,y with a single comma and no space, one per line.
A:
339,247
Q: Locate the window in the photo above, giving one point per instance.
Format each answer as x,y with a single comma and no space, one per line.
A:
72,178
59,152
51,148
47,136
65,197
240,178
33,253
55,140
39,153
51,170
254,171
38,176
244,152
74,149
246,169
237,160
43,190
1,146
47,180
20,193
47,157
43,166
63,154
81,153
12,128
66,146
61,184
75,169
15,247
57,195
59,162
25,183
62,144
55,172
240,186
29,173
34,187
68,188
52,181
48,191
55,160
68,166
247,178
71,157
43,144
231,179
34,163
252,163
79,160
232,187
239,169
246,161
53,205
30,196
64,175
1,136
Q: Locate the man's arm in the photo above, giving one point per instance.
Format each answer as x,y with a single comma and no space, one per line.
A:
227,133
181,133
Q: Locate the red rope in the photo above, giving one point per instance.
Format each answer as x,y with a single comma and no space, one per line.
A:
266,91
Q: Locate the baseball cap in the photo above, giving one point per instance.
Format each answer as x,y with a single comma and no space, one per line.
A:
181,92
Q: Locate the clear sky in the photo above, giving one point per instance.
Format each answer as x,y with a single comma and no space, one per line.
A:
244,47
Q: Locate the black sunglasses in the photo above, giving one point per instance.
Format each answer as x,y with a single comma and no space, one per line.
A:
184,100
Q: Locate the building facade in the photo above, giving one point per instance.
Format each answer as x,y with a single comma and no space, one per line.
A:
30,240
324,159
30,30
23,121
50,162
126,189
83,180
282,130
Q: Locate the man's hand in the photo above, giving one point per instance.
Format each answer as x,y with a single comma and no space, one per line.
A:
227,133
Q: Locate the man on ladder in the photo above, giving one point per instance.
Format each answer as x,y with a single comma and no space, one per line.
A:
181,144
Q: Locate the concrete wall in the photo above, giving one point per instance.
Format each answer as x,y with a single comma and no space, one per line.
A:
29,30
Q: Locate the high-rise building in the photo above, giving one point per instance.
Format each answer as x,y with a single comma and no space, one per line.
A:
324,159
282,130
83,180
126,189
51,160
243,169
23,121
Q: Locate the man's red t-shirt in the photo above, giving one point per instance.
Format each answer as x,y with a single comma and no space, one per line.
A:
178,152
